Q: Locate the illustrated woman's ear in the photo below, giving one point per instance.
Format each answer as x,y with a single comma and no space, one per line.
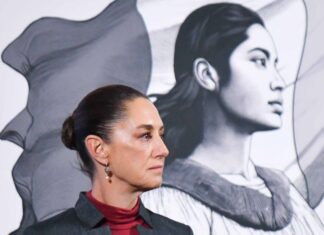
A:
205,74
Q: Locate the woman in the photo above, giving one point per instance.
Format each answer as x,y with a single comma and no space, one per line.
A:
227,88
118,133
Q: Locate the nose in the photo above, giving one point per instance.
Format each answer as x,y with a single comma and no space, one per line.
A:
161,150
277,83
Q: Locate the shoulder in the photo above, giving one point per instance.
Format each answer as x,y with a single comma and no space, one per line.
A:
170,226
167,201
62,223
178,206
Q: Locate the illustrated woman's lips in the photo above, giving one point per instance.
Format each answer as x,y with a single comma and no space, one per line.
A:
277,106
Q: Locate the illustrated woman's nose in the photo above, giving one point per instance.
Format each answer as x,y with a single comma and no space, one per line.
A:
278,83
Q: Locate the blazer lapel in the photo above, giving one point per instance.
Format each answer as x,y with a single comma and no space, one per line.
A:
103,230
146,231
91,217
146,216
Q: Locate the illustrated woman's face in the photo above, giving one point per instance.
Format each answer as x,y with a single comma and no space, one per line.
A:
137,151
253,93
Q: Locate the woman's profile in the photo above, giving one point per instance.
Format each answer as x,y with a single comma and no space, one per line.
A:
117,133
227,88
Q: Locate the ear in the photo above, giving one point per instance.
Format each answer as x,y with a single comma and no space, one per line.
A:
97,148
205,74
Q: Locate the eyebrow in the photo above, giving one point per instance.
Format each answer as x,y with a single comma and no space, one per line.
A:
148,127
264,51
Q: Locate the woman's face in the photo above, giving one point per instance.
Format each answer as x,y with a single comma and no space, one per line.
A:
253,93
137,151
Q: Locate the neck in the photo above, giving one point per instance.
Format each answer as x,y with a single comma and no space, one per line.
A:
226,143
116,193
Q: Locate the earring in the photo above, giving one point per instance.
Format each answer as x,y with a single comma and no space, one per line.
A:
108,172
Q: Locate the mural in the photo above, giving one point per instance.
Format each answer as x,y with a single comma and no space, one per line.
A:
227,87
233,83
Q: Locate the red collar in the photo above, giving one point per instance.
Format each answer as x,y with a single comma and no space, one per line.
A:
118,218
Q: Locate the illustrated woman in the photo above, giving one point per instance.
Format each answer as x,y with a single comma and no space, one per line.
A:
118,133
227,88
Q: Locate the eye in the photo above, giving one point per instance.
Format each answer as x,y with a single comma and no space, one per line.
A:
162,136
276,63
146,136
260,62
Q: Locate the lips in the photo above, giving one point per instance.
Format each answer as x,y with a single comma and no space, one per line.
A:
157,167
277,106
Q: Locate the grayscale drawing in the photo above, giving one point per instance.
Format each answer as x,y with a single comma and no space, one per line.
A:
62,61
224,81
308,106
227,88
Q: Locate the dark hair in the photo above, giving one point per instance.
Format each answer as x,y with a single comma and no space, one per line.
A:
211,32
95,115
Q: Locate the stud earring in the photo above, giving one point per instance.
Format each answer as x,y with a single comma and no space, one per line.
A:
108,172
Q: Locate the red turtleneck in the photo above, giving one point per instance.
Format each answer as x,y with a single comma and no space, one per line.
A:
120,221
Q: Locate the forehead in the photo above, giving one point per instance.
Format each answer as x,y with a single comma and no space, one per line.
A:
258,37
141,111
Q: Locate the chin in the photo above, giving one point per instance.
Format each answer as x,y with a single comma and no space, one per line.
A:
269,124
152,185
156,183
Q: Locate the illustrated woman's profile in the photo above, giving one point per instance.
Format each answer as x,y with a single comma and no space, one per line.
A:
227,88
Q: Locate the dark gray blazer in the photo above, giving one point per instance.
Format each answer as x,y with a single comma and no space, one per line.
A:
84,219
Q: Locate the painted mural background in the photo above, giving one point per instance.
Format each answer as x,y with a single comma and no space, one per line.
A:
61,69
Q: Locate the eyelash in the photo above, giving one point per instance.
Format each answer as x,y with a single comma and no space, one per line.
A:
148,136
260,62
162,136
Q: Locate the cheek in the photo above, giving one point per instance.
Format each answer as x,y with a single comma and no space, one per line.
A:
131,161
246,92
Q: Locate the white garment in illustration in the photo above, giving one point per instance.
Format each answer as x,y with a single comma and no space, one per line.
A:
182,207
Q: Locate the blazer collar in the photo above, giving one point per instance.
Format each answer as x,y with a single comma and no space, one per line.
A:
91,217
144,213
88,213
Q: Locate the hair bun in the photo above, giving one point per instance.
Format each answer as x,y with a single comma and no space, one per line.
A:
67,134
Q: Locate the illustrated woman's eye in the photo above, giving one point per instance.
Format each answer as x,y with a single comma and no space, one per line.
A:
260,62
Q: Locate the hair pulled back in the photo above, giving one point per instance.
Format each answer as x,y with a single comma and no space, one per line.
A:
95,115
211,32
